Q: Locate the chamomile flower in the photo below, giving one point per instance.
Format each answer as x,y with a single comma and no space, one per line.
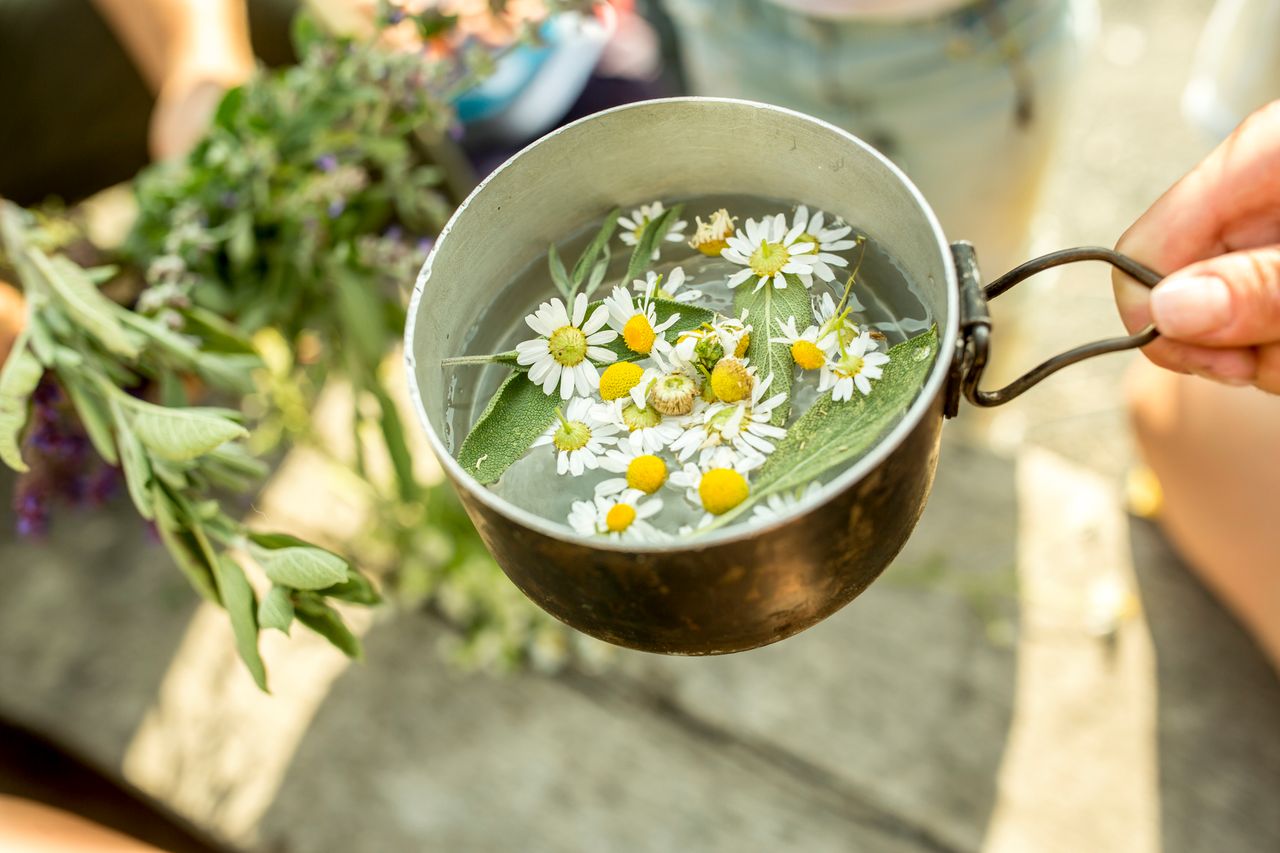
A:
653,285
716,489
634,223
778,505
712,341
711,237
623,516
770,252
808,351
644,472
853,367
743,428
836,326
579,437
644,429
636,320
568,349
670,386
825,241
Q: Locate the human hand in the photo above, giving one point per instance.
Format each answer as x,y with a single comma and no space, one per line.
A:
11,318
1217,234
185,106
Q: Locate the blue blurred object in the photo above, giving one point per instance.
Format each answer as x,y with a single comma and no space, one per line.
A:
534,86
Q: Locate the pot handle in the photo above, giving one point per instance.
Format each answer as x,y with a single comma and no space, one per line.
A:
975,322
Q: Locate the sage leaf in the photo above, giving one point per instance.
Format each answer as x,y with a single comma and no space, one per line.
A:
85,304
241,607
598,273
182,544
133,459
559,276
360,312
180,435
276,609
326,622
587,260
93,413
356,589
518,413
650,239
765,308
18,378
291,562
832,434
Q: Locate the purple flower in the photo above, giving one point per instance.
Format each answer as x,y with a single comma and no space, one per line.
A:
32,508
457,131
336,207
394,232
327,163
395,15
425,244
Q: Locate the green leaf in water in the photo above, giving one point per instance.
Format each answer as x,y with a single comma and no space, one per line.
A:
833,434
765,308
587,263
518,413
650,239
559,276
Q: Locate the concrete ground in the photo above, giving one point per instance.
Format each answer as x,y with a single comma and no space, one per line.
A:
1036,672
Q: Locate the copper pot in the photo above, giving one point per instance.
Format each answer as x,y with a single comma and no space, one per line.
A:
745,586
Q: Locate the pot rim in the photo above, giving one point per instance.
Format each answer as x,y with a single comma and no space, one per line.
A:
947,332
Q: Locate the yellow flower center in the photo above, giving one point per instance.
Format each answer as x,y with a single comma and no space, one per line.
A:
807,355
769,259
743,343
619,378
619,517
639,334
730,380
568,345
571,435
722,489
851,365
646,473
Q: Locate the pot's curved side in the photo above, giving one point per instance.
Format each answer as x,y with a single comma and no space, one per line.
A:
734,595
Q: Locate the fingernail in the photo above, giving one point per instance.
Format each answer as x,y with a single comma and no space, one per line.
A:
1194,305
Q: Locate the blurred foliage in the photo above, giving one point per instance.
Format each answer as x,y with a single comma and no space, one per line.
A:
288,239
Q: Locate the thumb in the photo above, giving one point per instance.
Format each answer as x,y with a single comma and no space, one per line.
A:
1228,301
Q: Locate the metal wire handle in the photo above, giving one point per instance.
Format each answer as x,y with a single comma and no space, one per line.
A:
975,321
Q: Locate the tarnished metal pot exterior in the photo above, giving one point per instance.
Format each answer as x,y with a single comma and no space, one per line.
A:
741,587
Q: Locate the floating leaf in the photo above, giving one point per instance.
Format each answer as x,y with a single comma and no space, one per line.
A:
326,622
765,308
276,609
18,378
587,264
650,239
241,607
518,413
559,276
833,434
180,435
291,562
